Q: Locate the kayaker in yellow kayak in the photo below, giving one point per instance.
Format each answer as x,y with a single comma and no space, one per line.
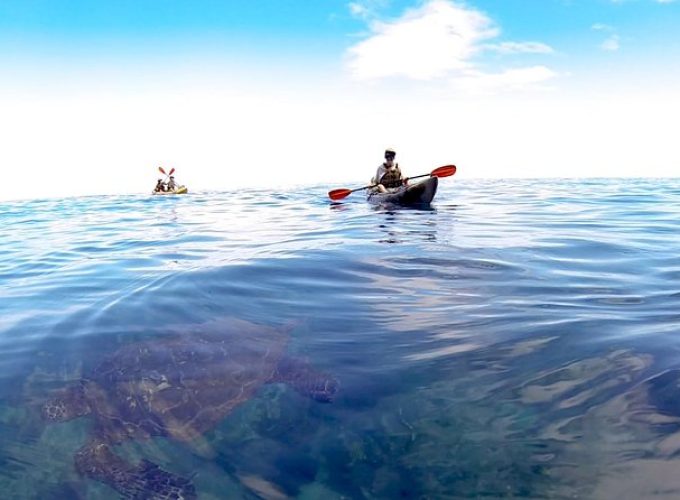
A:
160,186
388,176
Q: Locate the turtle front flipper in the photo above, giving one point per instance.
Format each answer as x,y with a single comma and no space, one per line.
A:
145,480
306,380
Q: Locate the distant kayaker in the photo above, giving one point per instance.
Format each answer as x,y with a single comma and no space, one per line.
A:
388,175
160,186
171,184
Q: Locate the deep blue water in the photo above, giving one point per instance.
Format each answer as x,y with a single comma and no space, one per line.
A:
517,339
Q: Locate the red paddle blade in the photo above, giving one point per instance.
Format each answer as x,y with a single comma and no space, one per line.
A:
172,171
161,170
445,171
339,194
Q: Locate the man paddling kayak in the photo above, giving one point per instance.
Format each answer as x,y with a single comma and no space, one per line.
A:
388,176
443,171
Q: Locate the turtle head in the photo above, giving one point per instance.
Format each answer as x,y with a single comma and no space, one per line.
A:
306,380
324,391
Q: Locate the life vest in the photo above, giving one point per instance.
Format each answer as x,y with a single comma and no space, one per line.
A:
391,178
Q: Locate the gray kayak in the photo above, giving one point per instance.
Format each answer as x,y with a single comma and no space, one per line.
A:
420,193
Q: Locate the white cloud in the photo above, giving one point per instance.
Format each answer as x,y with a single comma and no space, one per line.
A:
513,79
521,48
602,27
358,10
442,39
425,43
611,44
365,9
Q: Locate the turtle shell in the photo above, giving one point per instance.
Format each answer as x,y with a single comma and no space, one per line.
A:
183,385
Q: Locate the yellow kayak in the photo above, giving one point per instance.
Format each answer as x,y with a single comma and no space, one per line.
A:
179,190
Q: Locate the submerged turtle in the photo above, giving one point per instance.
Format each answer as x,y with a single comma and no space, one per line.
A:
178,387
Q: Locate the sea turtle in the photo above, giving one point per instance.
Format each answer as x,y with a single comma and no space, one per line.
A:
179,387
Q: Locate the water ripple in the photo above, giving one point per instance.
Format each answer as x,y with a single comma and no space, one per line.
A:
477,342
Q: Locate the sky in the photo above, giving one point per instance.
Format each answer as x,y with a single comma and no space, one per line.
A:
96,95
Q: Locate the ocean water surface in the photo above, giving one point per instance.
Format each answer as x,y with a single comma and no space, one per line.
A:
519,338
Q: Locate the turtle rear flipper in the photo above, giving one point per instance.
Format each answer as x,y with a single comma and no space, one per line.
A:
143,481
306,380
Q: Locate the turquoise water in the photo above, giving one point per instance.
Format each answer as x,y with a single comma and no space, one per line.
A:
517,339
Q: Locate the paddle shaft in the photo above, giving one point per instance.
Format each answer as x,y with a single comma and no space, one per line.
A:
375,185
419,176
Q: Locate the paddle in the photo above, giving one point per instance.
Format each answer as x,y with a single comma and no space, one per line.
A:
172,171
444,171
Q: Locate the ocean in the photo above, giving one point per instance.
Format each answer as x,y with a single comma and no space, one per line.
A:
518,338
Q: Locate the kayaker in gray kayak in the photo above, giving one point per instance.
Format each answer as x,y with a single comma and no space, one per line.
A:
388,176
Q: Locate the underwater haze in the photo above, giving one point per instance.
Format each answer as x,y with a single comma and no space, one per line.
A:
515,339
